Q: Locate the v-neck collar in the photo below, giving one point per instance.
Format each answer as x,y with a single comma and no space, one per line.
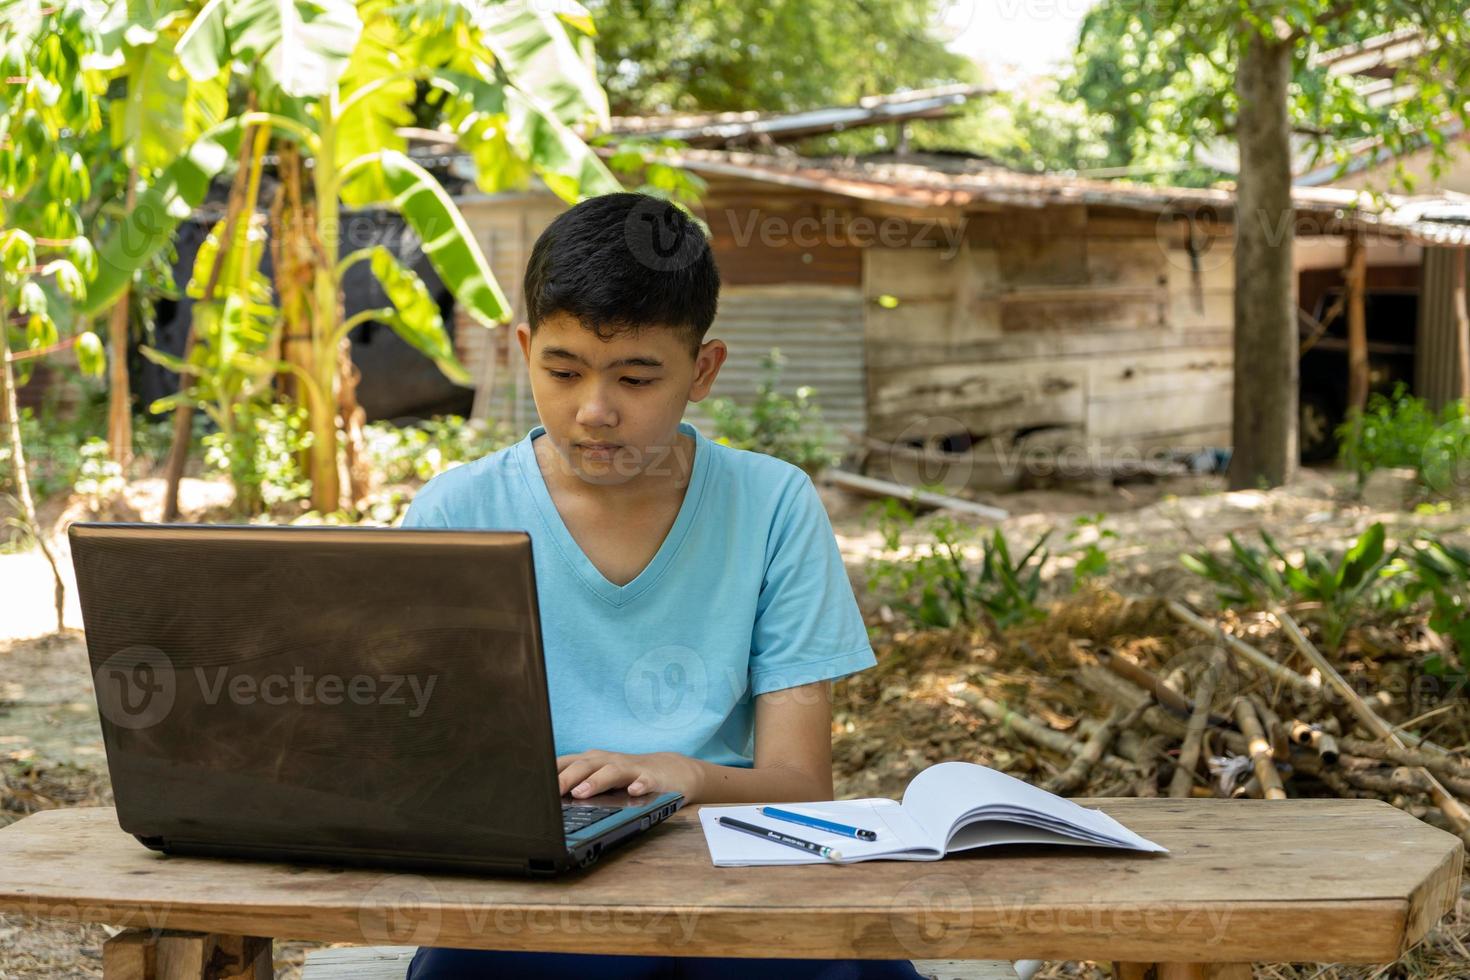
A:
572,552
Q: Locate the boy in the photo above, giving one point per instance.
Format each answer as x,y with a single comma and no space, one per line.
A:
694,605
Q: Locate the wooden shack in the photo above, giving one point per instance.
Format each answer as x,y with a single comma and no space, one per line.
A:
962,323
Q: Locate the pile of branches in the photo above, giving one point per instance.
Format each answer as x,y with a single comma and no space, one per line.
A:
1121,697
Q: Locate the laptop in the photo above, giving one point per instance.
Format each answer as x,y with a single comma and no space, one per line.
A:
341,694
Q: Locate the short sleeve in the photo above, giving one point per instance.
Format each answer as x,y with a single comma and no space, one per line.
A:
422,512
808,626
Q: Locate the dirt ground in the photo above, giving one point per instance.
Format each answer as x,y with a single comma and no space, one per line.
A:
51,753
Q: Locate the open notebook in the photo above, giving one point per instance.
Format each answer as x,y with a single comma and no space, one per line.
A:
952,806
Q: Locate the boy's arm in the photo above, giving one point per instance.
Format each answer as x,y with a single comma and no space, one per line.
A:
793,759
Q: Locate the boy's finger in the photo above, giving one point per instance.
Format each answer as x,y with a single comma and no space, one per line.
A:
562,761
574,774
604,779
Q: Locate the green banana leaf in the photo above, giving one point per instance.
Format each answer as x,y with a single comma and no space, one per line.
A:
448,242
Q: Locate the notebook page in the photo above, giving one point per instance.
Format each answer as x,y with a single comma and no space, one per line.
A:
947,795
899,838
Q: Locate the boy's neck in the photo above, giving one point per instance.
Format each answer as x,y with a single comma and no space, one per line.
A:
669,477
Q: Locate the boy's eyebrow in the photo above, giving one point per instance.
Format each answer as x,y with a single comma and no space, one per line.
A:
547,353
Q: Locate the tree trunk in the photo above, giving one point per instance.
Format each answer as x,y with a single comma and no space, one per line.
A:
119,399
1266,369
1462,323
1356,275
326,485
18,465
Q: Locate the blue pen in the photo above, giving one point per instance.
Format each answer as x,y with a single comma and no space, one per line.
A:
836,828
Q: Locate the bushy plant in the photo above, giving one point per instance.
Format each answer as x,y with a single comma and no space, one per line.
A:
935,588
1400,430
261,453
423,450
1438,573
1092,558
99,477
1340,591
52,456
787,427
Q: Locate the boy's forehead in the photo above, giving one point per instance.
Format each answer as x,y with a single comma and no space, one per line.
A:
566,338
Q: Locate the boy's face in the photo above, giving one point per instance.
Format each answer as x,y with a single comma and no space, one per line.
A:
612,407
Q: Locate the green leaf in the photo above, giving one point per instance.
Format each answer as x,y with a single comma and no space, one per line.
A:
508,132
90,356
165,109
372,122
167,361
32,299
1362,558
417,318
448,242
532,47
157,211
68,279
299,46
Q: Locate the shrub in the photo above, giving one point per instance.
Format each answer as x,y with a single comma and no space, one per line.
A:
935,588
1251,578
789,428
1400,430
422,450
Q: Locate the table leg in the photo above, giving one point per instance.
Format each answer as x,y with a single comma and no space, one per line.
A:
143,955
1181,971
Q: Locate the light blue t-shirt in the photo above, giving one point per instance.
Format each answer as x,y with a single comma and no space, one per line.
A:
746,595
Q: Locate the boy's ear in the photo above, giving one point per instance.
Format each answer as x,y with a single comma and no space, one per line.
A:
712,355
523,336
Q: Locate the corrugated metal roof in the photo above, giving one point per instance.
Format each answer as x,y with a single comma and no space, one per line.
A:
1337,210
716,128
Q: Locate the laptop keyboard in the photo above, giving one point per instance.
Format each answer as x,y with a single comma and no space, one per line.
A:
575,817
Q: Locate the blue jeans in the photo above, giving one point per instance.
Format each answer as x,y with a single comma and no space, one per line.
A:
474,964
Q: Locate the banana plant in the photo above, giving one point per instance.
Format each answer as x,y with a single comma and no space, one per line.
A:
160,113
337,80
48,116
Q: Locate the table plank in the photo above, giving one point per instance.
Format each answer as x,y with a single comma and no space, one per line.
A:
1247,880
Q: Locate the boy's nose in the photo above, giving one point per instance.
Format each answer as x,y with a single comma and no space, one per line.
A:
597,413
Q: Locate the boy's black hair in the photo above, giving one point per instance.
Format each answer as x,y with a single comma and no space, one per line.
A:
623,262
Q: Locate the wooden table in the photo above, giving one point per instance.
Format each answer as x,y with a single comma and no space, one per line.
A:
1247,880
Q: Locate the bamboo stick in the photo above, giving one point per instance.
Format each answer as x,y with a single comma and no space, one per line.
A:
1031,730
1097,744
1183,781
1247,653
1447,803
1440,765
1275,731
1168,697
1259,750
1324,744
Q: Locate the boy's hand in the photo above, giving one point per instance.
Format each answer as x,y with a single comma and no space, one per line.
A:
595,771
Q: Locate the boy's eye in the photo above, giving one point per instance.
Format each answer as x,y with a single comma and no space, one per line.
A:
568,375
